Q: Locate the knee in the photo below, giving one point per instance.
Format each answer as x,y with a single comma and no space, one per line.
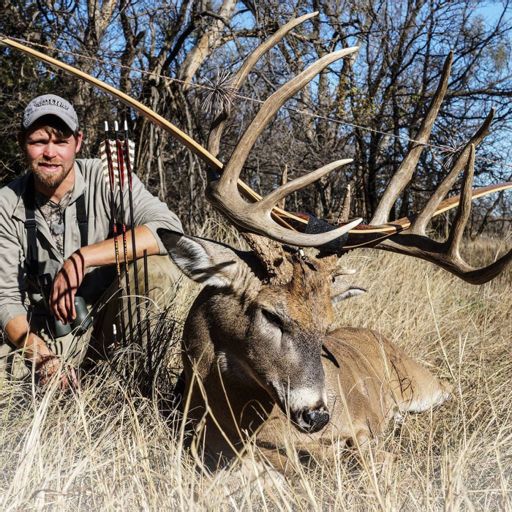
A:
162,280
162,272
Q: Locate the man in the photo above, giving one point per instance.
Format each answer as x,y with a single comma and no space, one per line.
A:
56,242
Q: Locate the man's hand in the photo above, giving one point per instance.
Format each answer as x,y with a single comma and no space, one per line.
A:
66,283
51,365
70,276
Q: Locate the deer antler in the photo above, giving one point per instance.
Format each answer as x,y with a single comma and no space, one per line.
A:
401,236
256,217
447,254
409,236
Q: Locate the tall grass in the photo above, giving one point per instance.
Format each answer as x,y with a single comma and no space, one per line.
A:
111,448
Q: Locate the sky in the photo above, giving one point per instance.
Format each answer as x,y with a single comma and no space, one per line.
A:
490,10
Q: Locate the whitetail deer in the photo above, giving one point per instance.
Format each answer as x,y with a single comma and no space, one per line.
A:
259,346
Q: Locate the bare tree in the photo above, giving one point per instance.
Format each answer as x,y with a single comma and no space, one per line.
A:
177,57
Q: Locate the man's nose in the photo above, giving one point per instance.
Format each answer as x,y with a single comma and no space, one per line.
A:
50,151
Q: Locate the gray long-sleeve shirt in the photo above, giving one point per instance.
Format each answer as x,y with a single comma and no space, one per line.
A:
91,181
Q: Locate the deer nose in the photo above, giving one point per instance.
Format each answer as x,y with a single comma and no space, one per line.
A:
313,420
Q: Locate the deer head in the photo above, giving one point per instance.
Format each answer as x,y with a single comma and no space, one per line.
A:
269,332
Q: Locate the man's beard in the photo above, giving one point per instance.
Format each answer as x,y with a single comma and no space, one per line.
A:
50,180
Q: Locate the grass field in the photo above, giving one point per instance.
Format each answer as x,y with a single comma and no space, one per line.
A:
111,449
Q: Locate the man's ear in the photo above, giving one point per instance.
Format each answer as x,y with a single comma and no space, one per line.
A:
204,261
79,139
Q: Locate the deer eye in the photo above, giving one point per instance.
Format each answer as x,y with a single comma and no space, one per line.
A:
273,318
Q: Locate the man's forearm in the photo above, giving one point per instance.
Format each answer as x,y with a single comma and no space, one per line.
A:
70,276
18,332
104,253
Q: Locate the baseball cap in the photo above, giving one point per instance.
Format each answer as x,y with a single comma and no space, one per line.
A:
50,104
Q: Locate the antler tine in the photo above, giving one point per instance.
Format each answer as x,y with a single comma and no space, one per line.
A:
229,178
241,214
253,58
447,254
268,202
404,173
423,218
464,209
242,74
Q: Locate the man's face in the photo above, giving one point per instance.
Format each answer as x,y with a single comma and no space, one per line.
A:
51,156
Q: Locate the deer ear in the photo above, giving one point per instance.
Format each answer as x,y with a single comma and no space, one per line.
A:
353,291
204,261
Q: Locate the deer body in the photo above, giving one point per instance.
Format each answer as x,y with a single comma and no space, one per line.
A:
363,395
257,355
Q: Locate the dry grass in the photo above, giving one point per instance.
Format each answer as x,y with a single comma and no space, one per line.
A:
111,449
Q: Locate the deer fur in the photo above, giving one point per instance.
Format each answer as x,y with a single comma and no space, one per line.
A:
257,355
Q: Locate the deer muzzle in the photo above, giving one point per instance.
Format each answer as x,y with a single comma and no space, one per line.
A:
306,406
312,420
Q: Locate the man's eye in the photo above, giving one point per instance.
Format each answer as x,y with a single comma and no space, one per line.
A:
273,318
